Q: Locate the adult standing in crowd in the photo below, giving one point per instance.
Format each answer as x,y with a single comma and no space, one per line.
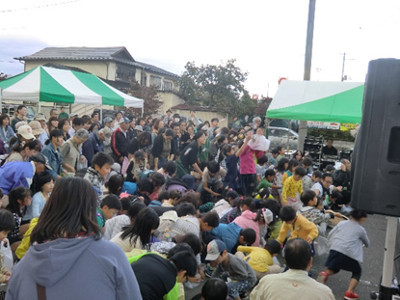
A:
71,150
63,114
64,125
52,152
52,124
95,143
120,142
6,132
196,121
162,148
116,122
54,113
21,116
77,123
188,160
45,135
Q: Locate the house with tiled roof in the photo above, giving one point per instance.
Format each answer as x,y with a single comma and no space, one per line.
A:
113,64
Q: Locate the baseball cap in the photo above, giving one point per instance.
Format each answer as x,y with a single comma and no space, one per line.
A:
71,115
40,158
107,120
26,132
214,249
138,127
36,128
124,120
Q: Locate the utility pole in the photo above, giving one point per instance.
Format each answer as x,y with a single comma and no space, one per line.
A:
307,65
344,59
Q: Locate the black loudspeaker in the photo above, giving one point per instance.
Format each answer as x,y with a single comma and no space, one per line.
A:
376,157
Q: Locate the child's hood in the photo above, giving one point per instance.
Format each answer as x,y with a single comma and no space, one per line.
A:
248,214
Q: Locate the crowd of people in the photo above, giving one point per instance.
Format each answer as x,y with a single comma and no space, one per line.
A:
151,208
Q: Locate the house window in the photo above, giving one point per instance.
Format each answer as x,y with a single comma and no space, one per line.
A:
143,79
167,86
155,81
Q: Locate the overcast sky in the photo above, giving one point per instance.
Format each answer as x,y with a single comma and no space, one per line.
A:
266,37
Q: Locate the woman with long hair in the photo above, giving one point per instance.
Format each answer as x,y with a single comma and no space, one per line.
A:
6,132
52,124
19,199
138,235
64,125
43,186
67,258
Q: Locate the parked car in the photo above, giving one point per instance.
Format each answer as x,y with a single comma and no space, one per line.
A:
281,136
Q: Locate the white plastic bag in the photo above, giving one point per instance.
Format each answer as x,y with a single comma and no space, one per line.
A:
5,250
259,142
321,246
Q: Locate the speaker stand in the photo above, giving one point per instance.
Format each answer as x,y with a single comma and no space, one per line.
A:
386,289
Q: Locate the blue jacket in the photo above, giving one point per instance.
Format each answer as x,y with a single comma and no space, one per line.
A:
5,135
228,233
15,174
92,146
55,160
74,269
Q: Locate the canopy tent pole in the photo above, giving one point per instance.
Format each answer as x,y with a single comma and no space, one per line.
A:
1,101
101,114
39,107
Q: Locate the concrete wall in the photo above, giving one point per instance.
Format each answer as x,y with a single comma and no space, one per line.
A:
169,100
102,69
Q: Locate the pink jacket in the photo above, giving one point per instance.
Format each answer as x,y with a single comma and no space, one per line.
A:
246,220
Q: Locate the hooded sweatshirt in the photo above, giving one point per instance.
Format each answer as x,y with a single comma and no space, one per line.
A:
77,268
246,220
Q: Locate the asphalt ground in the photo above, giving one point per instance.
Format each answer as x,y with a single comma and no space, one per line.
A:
375,226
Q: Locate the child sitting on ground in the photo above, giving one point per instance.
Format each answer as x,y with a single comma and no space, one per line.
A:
110,206
272,161
260,259
268,181
261,167
241,206
98,172
307,181
173,198
297,225
242,276
7,224
293,186
313,214
233,235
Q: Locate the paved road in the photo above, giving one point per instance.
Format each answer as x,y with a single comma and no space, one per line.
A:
372,267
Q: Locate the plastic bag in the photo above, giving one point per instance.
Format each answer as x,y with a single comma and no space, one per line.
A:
321,246
5,250
259,142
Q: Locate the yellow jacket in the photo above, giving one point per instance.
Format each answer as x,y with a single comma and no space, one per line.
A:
26,240
259,258
290,188
301,228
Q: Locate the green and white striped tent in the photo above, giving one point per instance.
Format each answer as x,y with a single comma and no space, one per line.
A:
46,84
318,101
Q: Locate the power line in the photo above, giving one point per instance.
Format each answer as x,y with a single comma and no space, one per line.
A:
4,11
